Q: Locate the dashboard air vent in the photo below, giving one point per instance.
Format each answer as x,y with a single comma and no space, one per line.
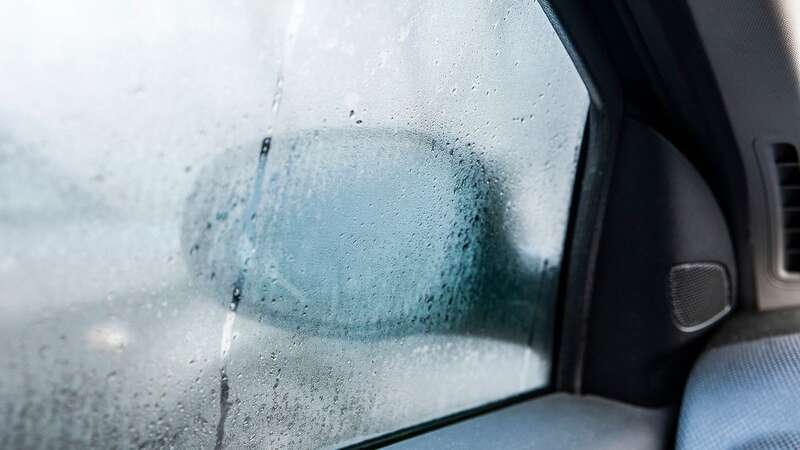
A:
787,168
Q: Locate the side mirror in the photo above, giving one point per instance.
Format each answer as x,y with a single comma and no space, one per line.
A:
363,233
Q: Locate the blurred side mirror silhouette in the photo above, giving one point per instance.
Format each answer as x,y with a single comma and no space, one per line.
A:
364,233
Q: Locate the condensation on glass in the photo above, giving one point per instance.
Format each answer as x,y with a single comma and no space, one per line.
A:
276,224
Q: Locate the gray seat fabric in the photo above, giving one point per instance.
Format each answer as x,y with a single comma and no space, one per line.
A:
744,392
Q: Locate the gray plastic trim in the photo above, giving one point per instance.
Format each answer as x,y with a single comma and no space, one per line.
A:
753,49
555,422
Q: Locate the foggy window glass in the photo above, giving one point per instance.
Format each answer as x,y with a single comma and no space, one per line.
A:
276,224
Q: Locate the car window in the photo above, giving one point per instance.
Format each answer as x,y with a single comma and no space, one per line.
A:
286,224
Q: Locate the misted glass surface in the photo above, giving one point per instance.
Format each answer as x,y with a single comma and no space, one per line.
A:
276,224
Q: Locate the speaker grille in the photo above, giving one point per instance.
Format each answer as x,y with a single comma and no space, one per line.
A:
699,294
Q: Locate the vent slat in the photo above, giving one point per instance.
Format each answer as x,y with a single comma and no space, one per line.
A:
791,260
785,153
791,240
790,196
791,217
